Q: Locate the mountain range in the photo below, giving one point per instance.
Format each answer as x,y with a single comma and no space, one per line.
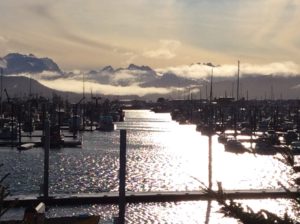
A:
18,63
254,85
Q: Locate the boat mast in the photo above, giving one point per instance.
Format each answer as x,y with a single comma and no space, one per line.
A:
30,86
83,86
272,89
83,97
238,82
200,93
211,84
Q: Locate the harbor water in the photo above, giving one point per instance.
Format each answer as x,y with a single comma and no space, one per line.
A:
161,156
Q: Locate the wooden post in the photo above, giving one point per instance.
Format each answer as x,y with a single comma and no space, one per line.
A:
211,130
122,177
59,115
210,161
46,159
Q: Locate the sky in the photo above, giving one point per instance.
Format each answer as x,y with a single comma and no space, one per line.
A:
89,34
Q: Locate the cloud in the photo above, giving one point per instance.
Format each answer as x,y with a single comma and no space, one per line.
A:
2,63
70,31
199,71
166,50
76,86
3,39
45,75
64,28
277,31
73,83
130,57
283,68
125,76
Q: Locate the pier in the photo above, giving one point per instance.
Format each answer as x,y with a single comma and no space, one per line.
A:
150,197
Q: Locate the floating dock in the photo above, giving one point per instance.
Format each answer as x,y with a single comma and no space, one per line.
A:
30,145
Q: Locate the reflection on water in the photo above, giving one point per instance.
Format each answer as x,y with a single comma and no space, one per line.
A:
162,155
180,212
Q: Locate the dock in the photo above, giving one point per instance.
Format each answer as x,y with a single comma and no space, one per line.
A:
34,144
148,197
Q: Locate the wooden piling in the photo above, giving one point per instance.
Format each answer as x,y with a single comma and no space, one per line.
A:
46,159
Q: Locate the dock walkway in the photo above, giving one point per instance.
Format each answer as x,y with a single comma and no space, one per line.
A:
147,197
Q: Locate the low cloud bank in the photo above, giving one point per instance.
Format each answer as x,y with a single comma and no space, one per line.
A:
199,71
76,86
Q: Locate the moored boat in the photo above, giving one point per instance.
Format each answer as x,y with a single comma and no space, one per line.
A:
295,147
9,131
265,147
56,137
25,146
235,146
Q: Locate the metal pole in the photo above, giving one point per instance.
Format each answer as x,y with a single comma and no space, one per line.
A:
122,177
46,158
